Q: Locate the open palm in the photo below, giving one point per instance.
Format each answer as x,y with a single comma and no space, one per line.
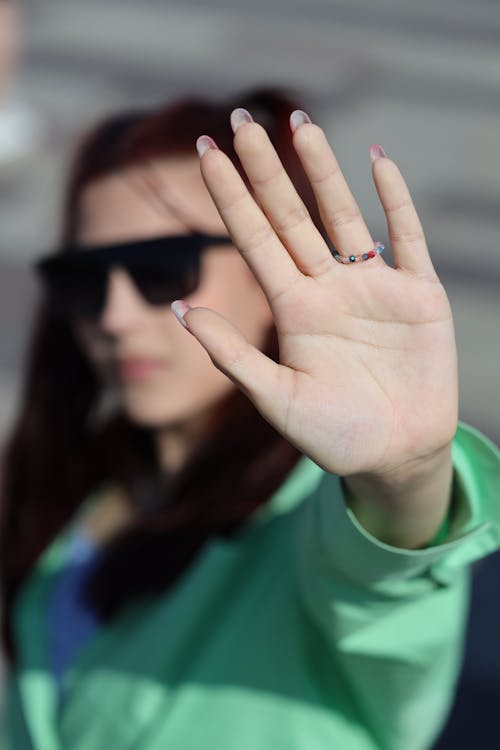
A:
367,377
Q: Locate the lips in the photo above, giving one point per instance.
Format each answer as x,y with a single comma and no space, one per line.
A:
136,368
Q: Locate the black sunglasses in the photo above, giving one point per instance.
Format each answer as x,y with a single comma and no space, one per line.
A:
163,269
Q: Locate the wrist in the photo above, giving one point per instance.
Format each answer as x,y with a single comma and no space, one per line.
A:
405,506
396,480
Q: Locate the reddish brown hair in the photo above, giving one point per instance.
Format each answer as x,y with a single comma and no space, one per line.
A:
56,455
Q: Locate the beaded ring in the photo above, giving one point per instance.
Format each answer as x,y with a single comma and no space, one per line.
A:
377,250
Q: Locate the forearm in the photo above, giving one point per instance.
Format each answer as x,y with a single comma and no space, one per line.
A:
404,509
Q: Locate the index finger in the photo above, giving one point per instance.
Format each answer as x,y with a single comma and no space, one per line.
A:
251,231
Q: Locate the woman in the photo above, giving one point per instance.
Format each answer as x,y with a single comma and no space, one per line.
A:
247,554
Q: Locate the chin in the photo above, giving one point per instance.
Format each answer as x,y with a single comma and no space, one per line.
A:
151,414
152,417
163,406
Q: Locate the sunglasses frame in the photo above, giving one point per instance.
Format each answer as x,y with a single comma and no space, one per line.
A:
170,256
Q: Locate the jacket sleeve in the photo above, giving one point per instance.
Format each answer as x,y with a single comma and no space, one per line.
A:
393,620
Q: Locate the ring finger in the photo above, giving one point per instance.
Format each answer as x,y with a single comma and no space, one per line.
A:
339,211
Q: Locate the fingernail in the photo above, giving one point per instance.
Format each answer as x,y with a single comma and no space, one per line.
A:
239,117
204,143
179,309
376,152
298,118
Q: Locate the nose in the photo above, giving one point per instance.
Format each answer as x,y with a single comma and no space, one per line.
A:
124,309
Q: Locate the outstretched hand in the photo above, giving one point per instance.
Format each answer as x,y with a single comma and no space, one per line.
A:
367,376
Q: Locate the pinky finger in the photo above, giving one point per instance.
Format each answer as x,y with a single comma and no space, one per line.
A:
405,230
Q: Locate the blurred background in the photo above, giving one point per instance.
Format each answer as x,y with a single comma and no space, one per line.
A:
422,79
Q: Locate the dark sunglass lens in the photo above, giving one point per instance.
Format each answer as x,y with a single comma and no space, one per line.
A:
77,292
162,288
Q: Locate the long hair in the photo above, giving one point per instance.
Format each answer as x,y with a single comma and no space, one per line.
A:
57,455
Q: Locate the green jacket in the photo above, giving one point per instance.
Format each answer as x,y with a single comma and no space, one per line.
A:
304,633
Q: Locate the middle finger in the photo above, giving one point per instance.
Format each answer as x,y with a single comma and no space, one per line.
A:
278,197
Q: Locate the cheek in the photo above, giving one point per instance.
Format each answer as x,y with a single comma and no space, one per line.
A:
229,288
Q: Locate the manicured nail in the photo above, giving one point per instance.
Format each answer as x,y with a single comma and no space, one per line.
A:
204,143
298,118
179,309
239,117
376,152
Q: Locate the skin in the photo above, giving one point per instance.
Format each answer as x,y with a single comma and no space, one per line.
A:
366,385
176,399
367,379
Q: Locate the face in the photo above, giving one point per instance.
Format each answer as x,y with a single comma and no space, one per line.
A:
161,374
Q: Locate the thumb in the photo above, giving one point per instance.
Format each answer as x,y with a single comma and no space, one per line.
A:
255,373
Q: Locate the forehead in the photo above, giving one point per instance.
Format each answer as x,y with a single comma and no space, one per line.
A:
167,196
